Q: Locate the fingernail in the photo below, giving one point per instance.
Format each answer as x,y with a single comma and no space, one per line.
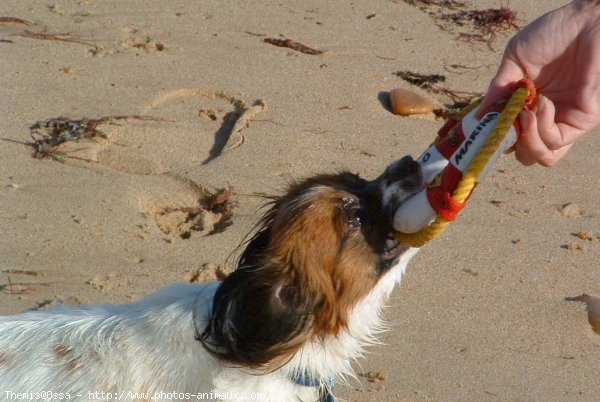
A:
542,102
524,120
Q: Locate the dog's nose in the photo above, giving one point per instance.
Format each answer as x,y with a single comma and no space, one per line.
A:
406,170
412,166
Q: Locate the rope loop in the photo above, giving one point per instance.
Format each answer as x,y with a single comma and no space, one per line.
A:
521,98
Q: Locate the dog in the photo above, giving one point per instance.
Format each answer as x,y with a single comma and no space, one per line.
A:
305,299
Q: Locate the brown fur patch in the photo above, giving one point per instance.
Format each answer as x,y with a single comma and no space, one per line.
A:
7,359
336,266
94,355
65,354
317,252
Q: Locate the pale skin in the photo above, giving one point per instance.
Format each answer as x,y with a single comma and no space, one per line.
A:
560,52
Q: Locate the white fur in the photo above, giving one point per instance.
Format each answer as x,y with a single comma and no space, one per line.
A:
150,347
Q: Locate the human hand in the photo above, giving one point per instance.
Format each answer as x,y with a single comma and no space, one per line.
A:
560,52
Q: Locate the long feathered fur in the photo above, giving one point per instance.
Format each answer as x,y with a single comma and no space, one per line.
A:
305,300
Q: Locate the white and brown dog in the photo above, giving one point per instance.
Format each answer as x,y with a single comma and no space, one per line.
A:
303,302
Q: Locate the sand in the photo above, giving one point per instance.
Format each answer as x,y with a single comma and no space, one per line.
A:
481,313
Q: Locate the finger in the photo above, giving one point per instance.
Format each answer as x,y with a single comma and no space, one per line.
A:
547,128
531,148
552,157
555,135
523,146
501,86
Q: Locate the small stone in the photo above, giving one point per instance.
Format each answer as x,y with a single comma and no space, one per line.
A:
78,219
406,102
470,272
576,247
210,113
589,236
570,210
499,204
98,281
376,376
105,283
136,259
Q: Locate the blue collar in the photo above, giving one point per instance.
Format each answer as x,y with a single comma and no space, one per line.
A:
325,389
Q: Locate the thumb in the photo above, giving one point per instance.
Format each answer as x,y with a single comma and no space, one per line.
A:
501,86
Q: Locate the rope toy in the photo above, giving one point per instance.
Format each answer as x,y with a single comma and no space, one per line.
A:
459,158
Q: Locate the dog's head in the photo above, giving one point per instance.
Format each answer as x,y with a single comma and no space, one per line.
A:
320,249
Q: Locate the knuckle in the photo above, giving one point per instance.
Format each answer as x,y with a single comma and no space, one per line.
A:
548,161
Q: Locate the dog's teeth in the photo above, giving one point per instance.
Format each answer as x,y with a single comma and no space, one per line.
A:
390,244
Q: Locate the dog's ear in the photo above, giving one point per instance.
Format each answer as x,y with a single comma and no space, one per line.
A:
259,314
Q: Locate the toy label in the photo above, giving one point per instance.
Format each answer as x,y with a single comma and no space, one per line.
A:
469,148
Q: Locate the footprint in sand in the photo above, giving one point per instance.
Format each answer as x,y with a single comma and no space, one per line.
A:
181,208
177,130
189,127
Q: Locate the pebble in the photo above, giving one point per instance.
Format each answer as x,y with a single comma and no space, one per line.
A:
570,210
576,247
499,204
136,259
405,102
376,376
589,236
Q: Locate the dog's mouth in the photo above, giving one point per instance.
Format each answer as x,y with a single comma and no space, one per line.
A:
402,180
392,250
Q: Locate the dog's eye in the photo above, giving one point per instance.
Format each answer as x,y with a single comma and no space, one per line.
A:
354,215
355,218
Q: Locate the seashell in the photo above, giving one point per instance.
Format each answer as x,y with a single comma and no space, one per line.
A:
406,102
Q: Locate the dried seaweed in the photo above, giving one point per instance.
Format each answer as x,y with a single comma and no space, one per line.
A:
490,20
450,111
220,203
21,272
255,34
15,20
17,288
65,37
212,215
431,83
425,81
476,25
291,44
450,4
49,134
385,58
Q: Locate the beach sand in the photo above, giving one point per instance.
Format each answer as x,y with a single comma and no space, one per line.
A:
481,313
